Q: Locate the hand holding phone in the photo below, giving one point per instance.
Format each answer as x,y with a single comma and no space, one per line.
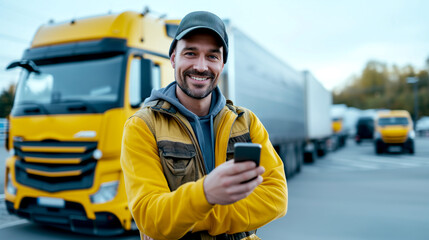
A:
247,152
221,192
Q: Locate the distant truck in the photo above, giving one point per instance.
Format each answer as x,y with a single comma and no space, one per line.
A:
351,118
422,126
364,129
318,103
339,127
394,132
3,130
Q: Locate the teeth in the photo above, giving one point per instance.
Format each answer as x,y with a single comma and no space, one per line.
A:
199,79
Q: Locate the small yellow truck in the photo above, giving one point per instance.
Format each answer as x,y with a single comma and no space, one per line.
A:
394,132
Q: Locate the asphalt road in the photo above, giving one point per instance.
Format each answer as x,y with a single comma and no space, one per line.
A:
354,194
349,194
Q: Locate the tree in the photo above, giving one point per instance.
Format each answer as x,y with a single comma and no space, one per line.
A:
6,101
383,87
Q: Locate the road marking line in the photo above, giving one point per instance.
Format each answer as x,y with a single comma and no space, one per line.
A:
363,165
379,160
388,161
420,159
15,223
367,162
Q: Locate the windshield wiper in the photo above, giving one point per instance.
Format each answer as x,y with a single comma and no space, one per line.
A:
37,108
84,105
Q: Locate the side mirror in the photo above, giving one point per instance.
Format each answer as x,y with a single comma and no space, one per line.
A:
146,78
27,64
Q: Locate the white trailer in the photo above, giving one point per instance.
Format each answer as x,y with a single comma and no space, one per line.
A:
318,102
256,79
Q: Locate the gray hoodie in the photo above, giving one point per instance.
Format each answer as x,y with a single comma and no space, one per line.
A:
202,126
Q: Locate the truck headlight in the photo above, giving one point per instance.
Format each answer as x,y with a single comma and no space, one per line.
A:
411,134
9,185
377,135
97,154
105,193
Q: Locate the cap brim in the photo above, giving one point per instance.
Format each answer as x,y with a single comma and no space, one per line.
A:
184,33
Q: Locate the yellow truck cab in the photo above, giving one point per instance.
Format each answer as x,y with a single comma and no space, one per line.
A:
394,132
339,132
337,125
80,81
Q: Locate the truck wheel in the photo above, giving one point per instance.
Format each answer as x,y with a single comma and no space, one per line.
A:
379,147
299,156
411,147
310,157
378,150
322,148
291,154
286,153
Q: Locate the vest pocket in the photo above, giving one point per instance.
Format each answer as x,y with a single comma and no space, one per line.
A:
178,163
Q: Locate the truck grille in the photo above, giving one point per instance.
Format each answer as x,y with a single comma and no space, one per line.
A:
55,166
395,139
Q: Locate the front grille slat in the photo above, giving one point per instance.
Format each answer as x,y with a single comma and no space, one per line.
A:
54,158
395,139
54,174
55,171
53,149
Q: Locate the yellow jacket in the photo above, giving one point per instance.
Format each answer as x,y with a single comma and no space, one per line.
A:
169,212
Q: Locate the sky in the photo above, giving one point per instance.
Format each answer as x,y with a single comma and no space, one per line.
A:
334,39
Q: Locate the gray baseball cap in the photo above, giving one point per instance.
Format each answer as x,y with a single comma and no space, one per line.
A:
202,20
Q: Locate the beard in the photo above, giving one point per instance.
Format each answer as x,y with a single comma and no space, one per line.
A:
183,85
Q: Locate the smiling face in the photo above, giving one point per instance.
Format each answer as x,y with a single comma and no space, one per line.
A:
197,62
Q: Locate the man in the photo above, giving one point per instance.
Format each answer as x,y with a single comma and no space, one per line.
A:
175,150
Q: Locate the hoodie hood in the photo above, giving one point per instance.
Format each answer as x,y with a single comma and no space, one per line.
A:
169,94
202,126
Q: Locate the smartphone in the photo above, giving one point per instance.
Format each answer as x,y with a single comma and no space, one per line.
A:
247,152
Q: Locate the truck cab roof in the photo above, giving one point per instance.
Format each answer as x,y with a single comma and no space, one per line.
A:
394,113
139,31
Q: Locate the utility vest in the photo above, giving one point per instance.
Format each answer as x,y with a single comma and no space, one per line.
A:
179,151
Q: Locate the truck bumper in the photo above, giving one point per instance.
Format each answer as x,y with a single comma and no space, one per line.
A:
72,217
77,214
382,146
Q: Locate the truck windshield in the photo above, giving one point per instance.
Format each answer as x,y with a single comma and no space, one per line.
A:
393,121
365,121
88,82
